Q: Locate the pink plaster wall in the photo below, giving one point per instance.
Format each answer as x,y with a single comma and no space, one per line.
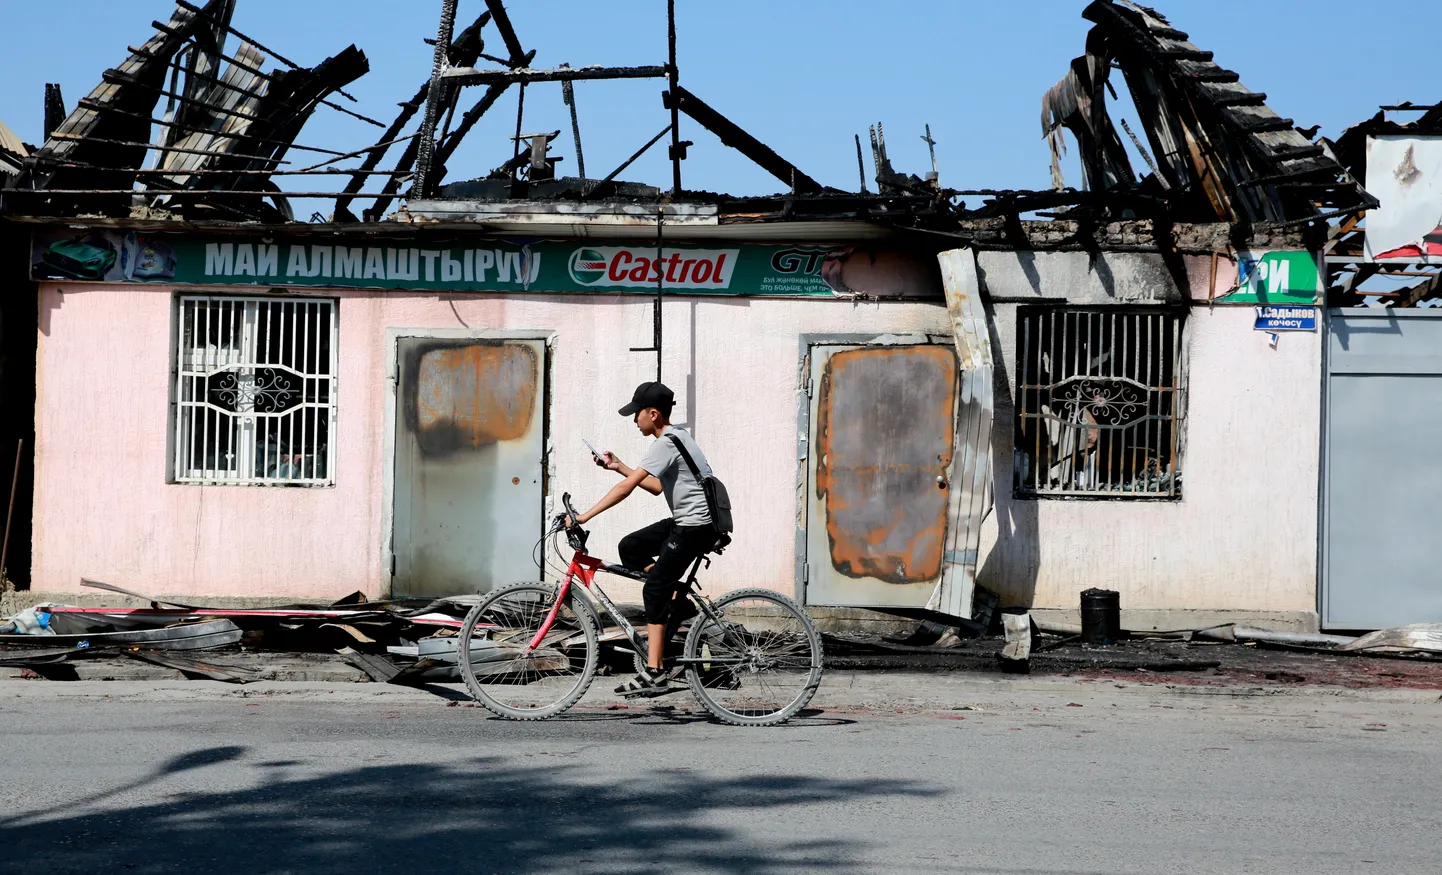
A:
1243,537
104,509
1244,534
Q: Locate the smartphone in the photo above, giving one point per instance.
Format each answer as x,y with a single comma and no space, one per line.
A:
592,449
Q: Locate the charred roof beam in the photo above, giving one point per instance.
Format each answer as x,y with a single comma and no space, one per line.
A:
508,33
471,76
464,49
1209,132
732,135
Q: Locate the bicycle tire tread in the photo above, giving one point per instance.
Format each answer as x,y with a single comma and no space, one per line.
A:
585,616
693,677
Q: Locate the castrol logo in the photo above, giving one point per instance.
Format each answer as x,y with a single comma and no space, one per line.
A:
638,268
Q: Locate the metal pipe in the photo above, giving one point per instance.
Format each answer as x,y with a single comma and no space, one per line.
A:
672,76
627,163
378,148
660,285
161,171
516,140
10,512
660,278
1267,636
82,138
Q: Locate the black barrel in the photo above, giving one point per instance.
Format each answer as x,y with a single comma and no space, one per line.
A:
1101,616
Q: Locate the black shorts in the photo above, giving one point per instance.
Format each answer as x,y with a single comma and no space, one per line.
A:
673,548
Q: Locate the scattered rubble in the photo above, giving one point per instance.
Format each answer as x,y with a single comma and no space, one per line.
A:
412,642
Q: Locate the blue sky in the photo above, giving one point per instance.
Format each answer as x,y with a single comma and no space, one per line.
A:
802,76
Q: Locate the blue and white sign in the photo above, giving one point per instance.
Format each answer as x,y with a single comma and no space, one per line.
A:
1286,319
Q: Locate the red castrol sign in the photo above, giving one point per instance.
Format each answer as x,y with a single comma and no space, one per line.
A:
638,267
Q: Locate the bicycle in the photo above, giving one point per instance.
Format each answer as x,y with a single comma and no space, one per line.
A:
529,651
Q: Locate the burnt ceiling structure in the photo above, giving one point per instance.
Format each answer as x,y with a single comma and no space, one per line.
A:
202,123
1217,152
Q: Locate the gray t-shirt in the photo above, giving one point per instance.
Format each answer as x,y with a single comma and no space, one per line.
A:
683,493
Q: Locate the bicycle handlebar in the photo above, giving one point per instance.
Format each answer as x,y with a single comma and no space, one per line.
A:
575,535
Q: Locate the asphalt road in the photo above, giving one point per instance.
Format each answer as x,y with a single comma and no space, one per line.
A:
896,774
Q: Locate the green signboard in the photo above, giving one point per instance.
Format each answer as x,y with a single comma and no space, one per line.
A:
542,266
1275,278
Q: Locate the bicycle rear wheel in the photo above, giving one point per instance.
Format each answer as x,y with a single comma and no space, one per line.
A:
760,658
519,683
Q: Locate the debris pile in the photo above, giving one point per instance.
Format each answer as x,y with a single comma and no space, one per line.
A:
367,634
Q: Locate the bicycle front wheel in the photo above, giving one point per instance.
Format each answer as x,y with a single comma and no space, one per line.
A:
506,674
757,662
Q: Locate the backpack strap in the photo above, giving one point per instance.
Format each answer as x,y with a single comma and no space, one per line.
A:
690,462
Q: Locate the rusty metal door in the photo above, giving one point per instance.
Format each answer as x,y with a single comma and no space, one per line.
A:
468,460
882,429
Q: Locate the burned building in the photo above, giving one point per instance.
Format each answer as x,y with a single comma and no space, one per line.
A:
391,398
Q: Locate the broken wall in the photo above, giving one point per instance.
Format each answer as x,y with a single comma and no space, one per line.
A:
1242,537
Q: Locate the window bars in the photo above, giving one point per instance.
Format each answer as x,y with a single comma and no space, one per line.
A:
1100,399
255,391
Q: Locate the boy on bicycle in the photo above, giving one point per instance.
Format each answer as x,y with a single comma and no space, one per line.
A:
666,548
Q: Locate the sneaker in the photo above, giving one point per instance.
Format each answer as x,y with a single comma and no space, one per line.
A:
648,681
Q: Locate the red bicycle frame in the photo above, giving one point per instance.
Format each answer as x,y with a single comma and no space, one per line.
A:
581,565
584,568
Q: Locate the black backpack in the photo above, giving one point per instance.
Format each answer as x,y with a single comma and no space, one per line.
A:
717,501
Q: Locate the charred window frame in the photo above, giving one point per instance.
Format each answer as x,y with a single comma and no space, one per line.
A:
254,384
1100,402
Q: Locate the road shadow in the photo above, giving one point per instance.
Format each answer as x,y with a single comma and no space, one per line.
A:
641,711
483,814
643,715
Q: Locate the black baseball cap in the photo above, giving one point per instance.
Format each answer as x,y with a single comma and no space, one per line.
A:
650,395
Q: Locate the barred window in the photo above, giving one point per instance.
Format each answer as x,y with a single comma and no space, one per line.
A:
255,391
1098,402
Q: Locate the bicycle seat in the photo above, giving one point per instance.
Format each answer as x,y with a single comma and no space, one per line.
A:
624,571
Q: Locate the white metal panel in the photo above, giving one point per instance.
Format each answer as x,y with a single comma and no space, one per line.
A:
470,425
1383,494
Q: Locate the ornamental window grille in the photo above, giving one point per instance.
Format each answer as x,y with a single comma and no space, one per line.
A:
1099,402
255,391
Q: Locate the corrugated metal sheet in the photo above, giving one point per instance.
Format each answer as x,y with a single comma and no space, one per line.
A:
11,143
970,496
